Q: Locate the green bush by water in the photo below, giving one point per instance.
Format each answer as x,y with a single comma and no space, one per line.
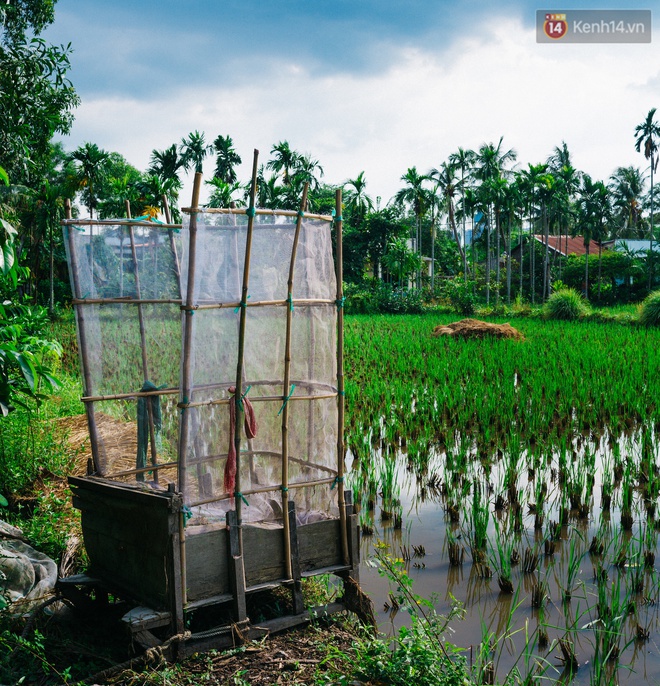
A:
649,312
565,304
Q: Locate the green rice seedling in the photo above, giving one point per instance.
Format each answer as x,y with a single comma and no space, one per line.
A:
574,564
479,518
649,311
501,559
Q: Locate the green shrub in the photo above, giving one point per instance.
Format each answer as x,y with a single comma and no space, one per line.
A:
460,294
566,304
649,311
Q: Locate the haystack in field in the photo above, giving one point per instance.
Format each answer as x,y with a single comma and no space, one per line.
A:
474,328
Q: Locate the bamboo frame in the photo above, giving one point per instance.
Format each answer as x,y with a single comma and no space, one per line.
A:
242,210
340,377
241,349
82,333
186,378
143,342
118,222
285,389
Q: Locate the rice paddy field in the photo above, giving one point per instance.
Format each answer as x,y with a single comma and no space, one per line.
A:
519,478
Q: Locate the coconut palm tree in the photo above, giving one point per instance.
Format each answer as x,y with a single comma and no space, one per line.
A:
418,198
226,158
627,186
464,160
356,200
447,186
89,163
647,134
223,194
193,151
285,160
307,170
593,209
165,164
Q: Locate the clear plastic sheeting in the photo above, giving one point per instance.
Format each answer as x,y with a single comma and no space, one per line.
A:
214,350
130,290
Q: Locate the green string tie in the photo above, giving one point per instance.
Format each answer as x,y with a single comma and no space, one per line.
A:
240,400
339,218
243,303
340,302
338,480
289,299
301,214
286,400
239,495
284,489
342,393
251,211
187,514
183,404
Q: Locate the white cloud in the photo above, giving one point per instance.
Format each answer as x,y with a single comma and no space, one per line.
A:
498,83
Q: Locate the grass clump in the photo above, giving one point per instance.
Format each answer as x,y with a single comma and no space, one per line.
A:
649,311
565,304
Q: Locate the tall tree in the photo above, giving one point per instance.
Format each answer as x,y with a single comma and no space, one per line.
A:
356,200
627,185
226,159
285,161
194,150
463,159
593,207
90,169
417,197
647,134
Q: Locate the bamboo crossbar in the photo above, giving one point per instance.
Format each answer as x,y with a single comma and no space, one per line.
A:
262,303
119,222
128,396
263,489
126,300
259,399
241,210
141,470
267,453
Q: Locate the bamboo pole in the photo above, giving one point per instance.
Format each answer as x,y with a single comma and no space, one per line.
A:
285,390
170,232
82,336
143,343
340,378
118,222
241,349
186,376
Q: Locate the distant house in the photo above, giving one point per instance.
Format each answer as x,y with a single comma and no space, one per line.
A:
564,246
635,247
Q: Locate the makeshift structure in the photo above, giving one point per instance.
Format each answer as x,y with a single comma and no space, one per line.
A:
220,340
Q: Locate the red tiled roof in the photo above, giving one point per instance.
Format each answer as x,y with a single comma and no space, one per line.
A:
575,245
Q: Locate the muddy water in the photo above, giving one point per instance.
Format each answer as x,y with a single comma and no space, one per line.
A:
509,619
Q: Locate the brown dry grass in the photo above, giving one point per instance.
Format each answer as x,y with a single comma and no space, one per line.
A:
475,328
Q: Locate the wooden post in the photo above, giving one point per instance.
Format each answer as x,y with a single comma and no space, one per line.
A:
340,376
236,567
82,336
143,346
186,373
285,390
241,348
296,590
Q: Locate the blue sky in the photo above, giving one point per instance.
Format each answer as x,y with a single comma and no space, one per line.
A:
373,85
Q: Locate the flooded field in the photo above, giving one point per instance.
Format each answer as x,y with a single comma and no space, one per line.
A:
520,479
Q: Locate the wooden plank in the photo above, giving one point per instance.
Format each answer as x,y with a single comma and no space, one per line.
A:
263,549
144,618
123,492
320,545
210,600
207,562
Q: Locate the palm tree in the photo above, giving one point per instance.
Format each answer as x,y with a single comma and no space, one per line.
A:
417,197
90,163
593,206
268,192
222,194
165,164
647,134
193,151
627,188
357,202
226,158
463,159
285,160
307,170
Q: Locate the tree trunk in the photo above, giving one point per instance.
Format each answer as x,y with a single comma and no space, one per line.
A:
508,262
